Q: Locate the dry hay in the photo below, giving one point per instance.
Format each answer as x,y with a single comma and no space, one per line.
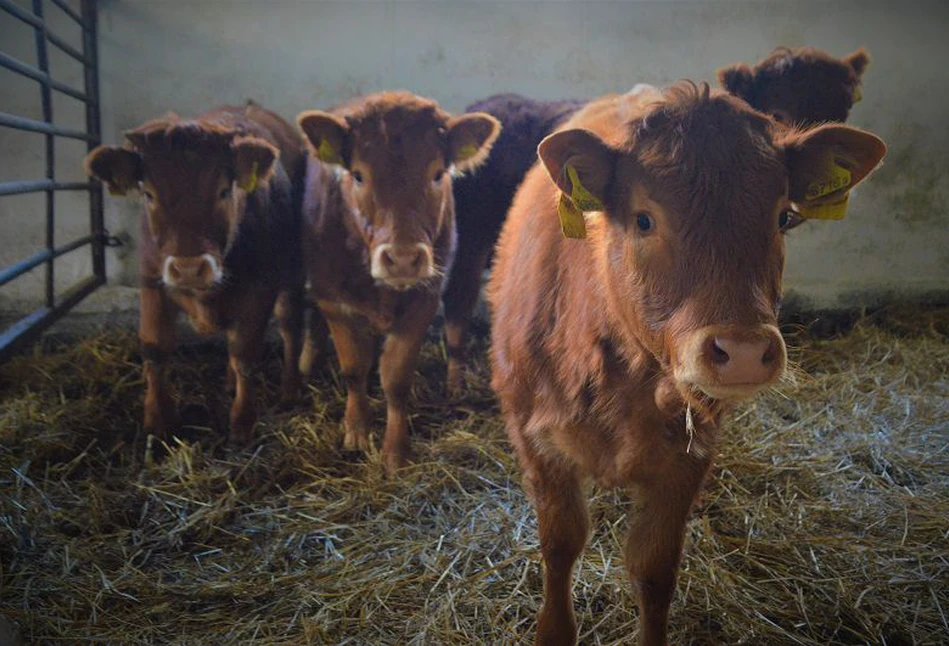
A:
826,521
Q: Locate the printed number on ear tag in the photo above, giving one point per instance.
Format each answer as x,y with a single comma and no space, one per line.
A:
832,177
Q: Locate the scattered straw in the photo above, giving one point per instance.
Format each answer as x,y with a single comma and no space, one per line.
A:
826,520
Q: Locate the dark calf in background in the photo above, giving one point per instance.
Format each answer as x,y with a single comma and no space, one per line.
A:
803,86
379,237
220,241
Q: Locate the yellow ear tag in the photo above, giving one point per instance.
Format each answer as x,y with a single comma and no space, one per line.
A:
466,151
584,200
857,94
828,211
326,153
250,184
833,178
571,218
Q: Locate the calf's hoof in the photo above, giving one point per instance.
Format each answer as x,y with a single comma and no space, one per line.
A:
355,439
242,429
555,630
394,460
161,421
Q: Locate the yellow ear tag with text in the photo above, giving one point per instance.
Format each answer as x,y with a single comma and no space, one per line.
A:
827,211
327,153
584,200
831,178
250,184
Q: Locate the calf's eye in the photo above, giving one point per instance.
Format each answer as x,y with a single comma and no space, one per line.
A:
225,193
357,176
789,219
644,222
438,176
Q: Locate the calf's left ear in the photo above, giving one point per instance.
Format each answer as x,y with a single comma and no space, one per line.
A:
253,161
859,61
470,137
825,163
737,79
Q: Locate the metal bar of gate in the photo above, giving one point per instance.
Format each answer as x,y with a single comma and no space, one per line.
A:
17,269
31,325
90,48
16,65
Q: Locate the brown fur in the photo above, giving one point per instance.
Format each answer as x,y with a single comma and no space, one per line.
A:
402,146
801,86
588,334
214,186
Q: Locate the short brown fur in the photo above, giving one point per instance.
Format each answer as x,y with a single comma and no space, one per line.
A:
589,335
383,182
213,187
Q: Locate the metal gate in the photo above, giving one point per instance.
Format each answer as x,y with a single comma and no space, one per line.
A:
29,327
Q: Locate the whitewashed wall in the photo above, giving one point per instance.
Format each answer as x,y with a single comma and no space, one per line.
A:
158,55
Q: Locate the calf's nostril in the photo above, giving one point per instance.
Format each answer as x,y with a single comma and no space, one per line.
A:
719,355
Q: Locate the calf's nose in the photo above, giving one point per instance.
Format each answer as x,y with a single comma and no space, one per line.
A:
194,272
402,263
743,361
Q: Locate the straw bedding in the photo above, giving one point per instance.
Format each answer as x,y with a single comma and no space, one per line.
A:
826,520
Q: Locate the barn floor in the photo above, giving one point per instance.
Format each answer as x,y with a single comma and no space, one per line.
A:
826,521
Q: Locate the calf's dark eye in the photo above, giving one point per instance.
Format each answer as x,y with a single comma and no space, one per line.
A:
438,176
225,193
644,222
789,219
357,176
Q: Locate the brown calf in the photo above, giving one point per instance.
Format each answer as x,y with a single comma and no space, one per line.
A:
803,86
220,241
379,223
799,86
616,356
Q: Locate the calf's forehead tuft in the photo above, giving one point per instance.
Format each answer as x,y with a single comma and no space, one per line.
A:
173,134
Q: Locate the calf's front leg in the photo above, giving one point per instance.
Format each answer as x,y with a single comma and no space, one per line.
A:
245,341
397,372
289,311
354,347
654,545
156,332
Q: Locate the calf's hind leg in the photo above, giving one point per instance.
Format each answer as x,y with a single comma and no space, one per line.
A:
460,298
245,341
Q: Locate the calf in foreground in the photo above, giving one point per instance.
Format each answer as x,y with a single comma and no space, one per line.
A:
379,236
220,241
803,86
616,356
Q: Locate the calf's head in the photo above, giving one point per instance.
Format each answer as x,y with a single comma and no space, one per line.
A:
194,178
799,86
396,154
695,197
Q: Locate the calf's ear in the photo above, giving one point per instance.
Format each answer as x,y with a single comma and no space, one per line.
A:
825,163
253,161
737,79
119,168
327,136
470,137
859,61
581,164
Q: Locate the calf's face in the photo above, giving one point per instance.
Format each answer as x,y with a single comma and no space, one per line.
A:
194,184
396,164
696,202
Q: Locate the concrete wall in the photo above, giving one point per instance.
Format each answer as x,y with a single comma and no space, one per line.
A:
172,54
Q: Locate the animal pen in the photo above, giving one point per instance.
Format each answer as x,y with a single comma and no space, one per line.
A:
824,520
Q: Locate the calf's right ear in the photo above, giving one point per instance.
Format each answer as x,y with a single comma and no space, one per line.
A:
581,164
328,136
738,80
119,168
